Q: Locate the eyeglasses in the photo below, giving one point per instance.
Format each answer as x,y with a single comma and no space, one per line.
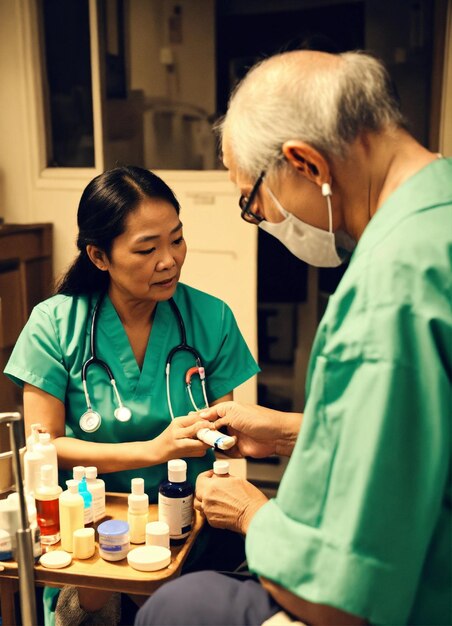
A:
246,202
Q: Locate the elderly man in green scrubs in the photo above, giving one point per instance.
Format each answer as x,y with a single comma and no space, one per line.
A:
360,530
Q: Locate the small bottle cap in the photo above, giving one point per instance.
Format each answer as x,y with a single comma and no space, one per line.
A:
221,467
83,543
34,437
91,472
138,501
137,486
149,558
177,471
157,534
78,472
44,437
56,559
72,486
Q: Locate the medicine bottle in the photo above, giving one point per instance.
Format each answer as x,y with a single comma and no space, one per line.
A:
33,460
34,435
78,474
47,496
221,468
138,513
96,487
15,522
48,451
8,526
175,502
5,545
71,514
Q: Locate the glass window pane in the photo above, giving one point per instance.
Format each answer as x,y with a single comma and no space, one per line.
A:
67,66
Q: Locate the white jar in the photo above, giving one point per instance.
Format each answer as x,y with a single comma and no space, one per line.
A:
114,540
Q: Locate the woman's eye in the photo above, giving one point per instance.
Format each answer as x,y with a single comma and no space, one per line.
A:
178,241
149,251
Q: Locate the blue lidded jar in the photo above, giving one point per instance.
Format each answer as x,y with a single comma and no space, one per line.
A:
114,540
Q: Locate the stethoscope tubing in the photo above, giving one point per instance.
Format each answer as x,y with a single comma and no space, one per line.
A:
183,346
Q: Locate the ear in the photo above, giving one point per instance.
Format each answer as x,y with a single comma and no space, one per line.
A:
308,161
97,256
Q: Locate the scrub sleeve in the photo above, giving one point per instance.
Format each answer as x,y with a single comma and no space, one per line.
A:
362,518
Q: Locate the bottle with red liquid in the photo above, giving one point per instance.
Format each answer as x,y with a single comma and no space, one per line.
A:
47,496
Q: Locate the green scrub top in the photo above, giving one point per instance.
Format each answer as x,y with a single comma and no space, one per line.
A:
362,518
55,343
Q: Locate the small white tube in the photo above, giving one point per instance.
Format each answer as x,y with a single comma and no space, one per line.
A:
216,439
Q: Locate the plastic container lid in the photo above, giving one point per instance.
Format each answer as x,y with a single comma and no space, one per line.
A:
78,472
137,486
138,500
177,471
72,486
157,528
91,472
83,543
44,437
113,527
221,467
56,559
149,558
157,534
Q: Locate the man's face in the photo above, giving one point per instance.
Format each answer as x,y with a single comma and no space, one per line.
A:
294,191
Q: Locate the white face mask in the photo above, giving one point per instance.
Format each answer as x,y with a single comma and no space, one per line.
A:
308,243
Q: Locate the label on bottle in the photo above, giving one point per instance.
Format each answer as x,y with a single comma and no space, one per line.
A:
98,510
177,513
87,515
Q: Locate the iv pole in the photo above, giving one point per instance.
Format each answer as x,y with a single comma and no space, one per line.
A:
25,559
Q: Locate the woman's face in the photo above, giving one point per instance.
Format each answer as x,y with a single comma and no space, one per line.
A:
147,258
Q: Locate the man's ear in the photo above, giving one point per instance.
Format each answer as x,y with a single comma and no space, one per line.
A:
97,256
308,161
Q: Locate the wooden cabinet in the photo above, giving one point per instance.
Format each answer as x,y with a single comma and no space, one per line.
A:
26,278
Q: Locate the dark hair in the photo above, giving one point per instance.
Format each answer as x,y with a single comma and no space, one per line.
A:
104,207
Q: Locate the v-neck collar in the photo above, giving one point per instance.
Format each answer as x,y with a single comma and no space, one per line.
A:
114,332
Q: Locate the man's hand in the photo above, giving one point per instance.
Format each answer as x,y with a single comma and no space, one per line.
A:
260,432
227,501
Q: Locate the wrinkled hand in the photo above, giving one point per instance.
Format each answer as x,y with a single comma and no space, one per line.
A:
179,438
227,501
258,429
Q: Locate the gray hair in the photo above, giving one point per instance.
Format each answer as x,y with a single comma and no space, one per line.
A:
326,106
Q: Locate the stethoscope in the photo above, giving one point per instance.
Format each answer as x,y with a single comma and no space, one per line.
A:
91,420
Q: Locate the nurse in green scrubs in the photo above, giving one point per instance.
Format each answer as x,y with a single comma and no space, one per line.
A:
131,252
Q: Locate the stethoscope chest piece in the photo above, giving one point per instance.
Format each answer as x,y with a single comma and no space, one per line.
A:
90,421
123,413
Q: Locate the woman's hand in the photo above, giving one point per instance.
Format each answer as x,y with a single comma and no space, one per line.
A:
260,431
227,501
179,438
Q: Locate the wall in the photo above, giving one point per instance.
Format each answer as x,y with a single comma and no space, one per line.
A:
15,183
193,78
445,139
